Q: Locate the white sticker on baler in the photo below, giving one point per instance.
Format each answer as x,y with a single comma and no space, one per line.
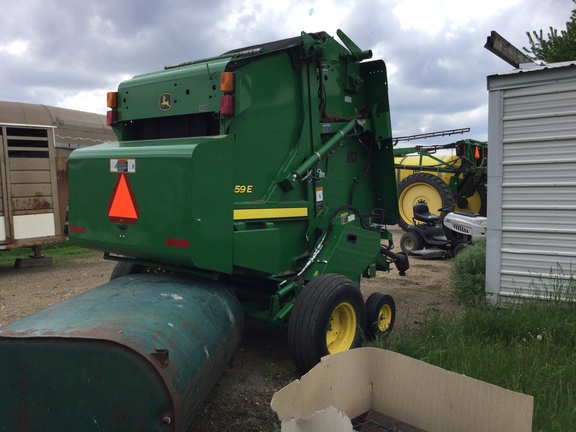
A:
319,198
123,165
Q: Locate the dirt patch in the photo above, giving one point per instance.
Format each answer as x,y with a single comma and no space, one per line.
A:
240,400
27,290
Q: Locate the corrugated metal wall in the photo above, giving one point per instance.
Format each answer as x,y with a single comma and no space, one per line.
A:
532,181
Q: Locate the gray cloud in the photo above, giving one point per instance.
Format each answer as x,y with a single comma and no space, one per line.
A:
53,50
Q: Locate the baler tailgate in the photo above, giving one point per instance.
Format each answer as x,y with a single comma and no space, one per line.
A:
170,203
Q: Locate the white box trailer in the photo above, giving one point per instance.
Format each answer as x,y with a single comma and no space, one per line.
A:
35,141
531,239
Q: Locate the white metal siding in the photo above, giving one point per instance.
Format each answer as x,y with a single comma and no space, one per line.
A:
534,227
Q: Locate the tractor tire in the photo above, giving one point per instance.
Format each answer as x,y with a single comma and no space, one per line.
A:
476,203
459,248
328,317
411,241
421,188
126,268
380,315
482,192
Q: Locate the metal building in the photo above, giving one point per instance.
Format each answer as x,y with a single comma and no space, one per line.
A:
531,241
35,141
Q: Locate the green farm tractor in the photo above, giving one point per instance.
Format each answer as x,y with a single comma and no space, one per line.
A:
257,184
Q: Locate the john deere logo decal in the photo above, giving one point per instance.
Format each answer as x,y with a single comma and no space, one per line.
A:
165,101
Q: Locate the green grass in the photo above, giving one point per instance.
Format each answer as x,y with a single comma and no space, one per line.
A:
58,252
528,348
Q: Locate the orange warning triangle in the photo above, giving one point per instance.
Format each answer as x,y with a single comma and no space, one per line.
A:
122,207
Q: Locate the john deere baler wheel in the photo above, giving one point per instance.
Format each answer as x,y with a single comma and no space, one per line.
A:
328,317
126,268
421,187
123,268
380,315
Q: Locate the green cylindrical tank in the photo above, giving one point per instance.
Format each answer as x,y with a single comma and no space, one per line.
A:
139,353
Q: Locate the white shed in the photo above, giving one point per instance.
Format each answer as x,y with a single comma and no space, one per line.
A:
531,239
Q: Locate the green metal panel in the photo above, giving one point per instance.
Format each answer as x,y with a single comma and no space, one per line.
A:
183,193
269,124
191,89
139,353
252,249
348,250
274,132
347,180
383,171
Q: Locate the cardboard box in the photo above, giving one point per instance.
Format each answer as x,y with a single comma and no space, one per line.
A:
346,385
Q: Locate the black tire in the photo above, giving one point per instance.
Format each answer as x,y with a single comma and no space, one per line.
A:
482,191
421,187
380,315
477,203
411,241
328,317
126,268
459,248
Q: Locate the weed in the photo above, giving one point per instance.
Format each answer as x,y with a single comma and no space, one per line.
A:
244,374
468,275
269,370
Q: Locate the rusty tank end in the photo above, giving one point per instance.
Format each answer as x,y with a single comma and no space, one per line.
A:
138,353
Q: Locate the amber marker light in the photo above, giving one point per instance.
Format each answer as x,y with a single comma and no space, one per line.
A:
227,82
112,99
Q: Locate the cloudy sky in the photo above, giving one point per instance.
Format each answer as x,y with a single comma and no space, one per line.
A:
69,53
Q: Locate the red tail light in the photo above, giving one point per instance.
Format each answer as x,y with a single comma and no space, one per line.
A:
111,117
227,105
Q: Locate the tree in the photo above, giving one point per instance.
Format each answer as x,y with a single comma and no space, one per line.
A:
555,47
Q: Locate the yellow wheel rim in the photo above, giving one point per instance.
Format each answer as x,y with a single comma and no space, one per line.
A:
384,318
474,204
341,329
418,193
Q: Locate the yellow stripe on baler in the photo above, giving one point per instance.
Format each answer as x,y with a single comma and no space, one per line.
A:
270,213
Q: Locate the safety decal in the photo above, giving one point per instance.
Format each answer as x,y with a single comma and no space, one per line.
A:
319,198
122,207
